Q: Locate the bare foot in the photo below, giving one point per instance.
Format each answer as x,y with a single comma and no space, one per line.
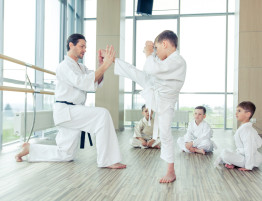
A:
24,152
117,166
229,166
168,178
157,147
200,151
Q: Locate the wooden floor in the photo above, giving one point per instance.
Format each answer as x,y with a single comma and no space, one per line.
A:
197,179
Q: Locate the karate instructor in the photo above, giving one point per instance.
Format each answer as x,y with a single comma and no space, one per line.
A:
71,117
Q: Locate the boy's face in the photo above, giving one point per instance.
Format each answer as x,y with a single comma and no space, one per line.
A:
242,115
146,113
199,115
161,50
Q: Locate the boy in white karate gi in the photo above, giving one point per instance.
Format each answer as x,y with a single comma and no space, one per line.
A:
199,134
247,140
162,79
71,116
143,132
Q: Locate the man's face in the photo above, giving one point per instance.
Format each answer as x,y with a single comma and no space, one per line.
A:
199,115
79,49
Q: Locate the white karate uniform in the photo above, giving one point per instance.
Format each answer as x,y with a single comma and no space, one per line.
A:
73,82
246,155
161,82
200,135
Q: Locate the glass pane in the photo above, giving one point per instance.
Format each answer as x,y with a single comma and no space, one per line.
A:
138,101
231,5
165,7
52,34
127,106
230,111
128,50
214,104
70,20
129,8
203,47
13,102
90,99
19,46
231,53
90,8
90,35
149,30
202,6
17,72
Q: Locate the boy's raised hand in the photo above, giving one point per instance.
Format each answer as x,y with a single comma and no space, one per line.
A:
149,48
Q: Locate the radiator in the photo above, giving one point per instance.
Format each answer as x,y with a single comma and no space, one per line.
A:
136,115
43,120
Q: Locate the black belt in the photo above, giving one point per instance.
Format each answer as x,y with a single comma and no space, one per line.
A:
68,103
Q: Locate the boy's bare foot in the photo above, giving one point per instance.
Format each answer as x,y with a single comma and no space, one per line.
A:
200,151
24,152
117,166
150,142
168,178
170,175
229,166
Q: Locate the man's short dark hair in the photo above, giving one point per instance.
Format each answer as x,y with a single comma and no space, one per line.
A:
74,39
143,107
201,108
167,35
248,107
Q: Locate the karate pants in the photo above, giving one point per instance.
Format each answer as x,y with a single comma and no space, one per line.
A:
97,121
207,145
164,119
232,158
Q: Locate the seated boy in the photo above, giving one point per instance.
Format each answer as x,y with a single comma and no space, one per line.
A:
199,134
247,140
143,132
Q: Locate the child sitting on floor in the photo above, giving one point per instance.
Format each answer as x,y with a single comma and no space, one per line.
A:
144,132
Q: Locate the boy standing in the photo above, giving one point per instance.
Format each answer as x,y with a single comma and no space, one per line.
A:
162,79
247,140
143,132
199,134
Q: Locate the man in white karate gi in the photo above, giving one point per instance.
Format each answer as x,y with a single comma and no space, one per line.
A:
246,156
71,116
199,134
162,79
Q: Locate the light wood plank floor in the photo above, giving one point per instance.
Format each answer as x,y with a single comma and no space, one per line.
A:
197,179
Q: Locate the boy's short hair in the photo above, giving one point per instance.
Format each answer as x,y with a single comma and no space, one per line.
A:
74,39
201,108
143,107
248,106
167,35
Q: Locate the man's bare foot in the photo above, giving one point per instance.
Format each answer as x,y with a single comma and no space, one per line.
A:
157,147
117,166
229,166
168,178
24,152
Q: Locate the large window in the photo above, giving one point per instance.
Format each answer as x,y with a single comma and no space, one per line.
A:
206,41
25,24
